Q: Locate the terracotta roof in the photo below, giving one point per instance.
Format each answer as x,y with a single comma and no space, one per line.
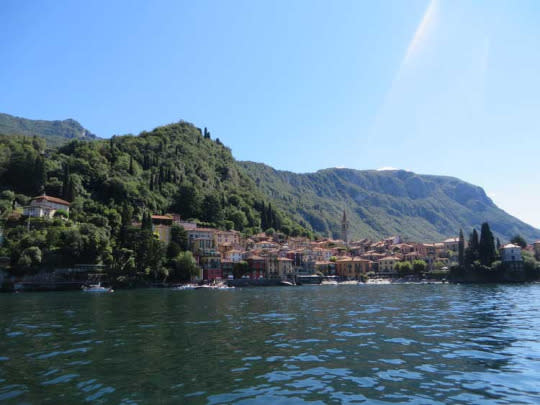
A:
360,259
161,217
51,199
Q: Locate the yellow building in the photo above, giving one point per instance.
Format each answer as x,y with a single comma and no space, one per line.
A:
352,267
387,266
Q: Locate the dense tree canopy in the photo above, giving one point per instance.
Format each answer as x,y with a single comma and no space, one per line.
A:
113,184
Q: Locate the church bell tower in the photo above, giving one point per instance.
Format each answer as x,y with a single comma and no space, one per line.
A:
345,228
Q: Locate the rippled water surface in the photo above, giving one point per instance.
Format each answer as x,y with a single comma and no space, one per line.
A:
419,344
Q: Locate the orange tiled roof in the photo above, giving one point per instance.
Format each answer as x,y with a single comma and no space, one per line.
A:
51,199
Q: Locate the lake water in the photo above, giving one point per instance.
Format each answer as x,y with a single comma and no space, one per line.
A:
418,344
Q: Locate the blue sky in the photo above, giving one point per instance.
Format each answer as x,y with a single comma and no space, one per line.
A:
433,86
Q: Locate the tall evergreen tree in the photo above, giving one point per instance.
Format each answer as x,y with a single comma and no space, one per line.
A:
39,175
461,248
126,216
69,193
471,253
65,180
486,247
146,222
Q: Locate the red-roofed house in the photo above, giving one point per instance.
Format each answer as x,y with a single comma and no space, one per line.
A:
45,206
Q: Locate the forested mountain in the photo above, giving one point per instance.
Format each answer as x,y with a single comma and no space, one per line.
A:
179,168
113,183
174,168
383,203
55,133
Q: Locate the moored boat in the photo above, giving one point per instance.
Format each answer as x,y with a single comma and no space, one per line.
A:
98,288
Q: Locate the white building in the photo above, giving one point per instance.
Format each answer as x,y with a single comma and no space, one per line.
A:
45,206
511,253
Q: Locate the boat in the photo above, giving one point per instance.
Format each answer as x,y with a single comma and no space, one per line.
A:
378,281
286,283
221,286
218,286
349,282
203,286
312,279
96,288
185,287
329,282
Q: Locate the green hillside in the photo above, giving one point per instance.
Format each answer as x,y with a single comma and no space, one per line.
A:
179,168
55,133
384,203
112,184
174,168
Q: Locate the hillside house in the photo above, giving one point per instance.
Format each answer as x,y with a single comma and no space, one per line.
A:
45,206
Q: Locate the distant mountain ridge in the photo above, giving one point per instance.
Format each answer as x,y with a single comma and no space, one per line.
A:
383,203
55,133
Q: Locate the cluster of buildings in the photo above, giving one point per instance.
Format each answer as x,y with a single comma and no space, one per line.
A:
226,254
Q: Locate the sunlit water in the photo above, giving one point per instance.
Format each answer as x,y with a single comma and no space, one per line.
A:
420,344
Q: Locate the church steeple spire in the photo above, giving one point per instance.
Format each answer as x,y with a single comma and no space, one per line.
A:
345,228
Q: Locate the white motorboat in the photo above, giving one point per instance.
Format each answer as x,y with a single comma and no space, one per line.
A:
329,282
185,287
96,288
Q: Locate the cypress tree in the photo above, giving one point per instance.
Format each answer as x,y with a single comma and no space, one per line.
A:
127,214
486,246
65,180
146,224
70,190
461,249
264,223
39,175
471,253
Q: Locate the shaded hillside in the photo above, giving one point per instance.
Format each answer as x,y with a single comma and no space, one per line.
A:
173,168
54,132
384,203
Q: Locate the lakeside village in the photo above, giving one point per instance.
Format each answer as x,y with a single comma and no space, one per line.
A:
272,258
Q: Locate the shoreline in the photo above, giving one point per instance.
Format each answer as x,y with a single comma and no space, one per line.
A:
254,284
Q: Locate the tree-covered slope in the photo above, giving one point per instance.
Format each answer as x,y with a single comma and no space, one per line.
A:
54,132
383,203
174,168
